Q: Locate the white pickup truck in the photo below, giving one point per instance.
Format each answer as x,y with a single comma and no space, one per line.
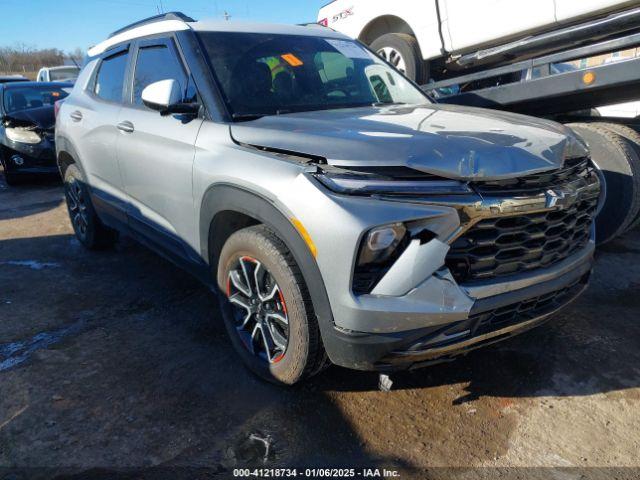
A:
422,38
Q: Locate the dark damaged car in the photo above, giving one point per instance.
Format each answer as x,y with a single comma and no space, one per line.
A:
27,128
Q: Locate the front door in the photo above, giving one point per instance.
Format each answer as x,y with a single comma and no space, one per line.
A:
156,153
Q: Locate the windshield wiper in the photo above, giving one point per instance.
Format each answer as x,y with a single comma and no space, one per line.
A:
386,104
245,117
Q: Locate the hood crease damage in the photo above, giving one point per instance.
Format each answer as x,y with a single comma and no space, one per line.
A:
443,140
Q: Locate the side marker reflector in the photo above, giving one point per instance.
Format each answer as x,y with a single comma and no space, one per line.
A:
305,235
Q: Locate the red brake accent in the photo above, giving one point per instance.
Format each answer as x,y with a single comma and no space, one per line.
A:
284,305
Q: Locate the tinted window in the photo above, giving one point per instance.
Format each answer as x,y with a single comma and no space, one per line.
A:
155,64
110,80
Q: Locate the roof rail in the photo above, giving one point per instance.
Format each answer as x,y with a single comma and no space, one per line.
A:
156,18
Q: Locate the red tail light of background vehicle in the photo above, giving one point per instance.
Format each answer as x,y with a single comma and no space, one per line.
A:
56,107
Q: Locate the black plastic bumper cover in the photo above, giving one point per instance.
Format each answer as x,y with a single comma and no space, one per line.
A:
492,320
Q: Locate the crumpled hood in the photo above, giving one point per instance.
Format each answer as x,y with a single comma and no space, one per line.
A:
444,140
42,117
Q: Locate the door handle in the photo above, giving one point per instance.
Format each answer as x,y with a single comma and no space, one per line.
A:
76,116
126,127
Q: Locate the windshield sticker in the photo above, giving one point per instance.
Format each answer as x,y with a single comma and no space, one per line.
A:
292,60
349,49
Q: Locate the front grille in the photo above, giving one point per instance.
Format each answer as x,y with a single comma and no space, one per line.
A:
572,169
502,246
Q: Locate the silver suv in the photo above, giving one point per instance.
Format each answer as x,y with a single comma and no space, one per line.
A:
341,216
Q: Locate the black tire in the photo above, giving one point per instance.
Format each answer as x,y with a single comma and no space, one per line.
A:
11,179
408,48
89,230
619,163
303,355
633,137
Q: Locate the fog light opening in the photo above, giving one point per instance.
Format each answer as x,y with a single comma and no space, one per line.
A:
17,160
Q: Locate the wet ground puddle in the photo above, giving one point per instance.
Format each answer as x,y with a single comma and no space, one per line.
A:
16,353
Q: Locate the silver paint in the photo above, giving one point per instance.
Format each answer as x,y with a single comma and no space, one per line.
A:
449,141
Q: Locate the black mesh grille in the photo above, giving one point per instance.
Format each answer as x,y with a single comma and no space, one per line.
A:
494,320
572,169
525,310
502,246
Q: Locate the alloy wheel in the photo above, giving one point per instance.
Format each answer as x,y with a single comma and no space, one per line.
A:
77,207
394,57
259,310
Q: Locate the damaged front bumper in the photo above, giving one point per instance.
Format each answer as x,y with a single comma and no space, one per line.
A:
427,310
461,326
26,159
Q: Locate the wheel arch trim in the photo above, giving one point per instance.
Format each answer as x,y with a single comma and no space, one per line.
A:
225,197
64,146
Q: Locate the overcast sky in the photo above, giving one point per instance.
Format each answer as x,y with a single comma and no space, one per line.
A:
67,24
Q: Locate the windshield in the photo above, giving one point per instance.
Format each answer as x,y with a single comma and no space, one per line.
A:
18,99
59,74
267,74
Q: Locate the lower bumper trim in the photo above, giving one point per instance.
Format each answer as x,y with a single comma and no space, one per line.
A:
482,329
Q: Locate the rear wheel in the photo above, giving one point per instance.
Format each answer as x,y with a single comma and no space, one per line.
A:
88,228
403,52
619,164
267,309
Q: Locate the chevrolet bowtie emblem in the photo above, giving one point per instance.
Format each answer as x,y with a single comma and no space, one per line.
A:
561,198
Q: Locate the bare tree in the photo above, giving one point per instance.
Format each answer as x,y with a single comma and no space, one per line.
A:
22,58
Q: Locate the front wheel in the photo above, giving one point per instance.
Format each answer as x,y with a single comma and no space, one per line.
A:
267,309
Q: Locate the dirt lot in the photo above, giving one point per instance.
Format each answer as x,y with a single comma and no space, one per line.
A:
117,361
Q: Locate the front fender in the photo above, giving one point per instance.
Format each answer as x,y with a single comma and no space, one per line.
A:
222,197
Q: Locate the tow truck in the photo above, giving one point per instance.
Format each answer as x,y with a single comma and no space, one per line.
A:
558,59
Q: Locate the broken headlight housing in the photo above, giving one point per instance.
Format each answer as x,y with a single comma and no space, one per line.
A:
379,249
23,135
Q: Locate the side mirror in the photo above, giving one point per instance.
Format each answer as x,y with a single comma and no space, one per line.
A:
166,97
162,95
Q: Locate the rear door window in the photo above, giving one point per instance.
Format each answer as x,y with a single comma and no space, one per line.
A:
156,63
110,79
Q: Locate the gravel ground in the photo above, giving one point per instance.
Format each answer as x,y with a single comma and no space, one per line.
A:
117,362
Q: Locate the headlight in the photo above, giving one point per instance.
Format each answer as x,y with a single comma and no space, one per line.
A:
23,135
354,184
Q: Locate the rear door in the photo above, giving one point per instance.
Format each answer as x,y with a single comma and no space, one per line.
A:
483,22
92,118
156,152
